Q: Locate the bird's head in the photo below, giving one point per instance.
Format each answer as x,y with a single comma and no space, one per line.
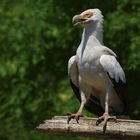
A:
88,17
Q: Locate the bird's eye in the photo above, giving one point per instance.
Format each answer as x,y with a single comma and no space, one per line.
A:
88,15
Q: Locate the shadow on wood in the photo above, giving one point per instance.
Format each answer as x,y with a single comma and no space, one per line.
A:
86,127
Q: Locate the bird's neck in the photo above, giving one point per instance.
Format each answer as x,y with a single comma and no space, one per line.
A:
94,30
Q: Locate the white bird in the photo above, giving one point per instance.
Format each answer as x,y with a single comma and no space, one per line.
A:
95,75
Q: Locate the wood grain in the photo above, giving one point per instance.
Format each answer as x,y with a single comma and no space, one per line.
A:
86,127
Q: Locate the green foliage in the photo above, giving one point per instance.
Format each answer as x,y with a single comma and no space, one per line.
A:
36,41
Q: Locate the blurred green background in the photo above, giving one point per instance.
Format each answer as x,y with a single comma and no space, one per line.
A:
36,40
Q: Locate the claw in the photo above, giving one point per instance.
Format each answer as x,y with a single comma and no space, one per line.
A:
104,127
105,118
77,119
99,121
73,116
68,120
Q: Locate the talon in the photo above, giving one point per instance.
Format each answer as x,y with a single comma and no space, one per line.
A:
77,119
105,118
104,127
73,116
99,120
69,119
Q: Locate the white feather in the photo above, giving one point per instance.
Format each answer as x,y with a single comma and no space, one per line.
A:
111,65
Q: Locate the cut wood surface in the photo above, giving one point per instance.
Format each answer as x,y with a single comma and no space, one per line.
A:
86,127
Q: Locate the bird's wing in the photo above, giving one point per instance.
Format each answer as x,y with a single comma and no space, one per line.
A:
73,76
113,68
116,75
92,104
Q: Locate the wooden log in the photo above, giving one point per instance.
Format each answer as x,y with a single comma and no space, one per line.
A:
86,127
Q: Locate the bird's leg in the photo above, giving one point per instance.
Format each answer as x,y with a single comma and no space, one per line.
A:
77,115
105,117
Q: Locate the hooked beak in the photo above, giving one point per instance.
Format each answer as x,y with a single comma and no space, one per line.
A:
77,19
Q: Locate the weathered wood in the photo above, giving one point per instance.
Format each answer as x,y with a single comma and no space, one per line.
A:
86,127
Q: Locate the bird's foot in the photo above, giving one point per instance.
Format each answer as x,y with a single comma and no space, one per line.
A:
105,118
75,116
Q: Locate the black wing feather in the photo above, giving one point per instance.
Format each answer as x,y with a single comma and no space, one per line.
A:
122,92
